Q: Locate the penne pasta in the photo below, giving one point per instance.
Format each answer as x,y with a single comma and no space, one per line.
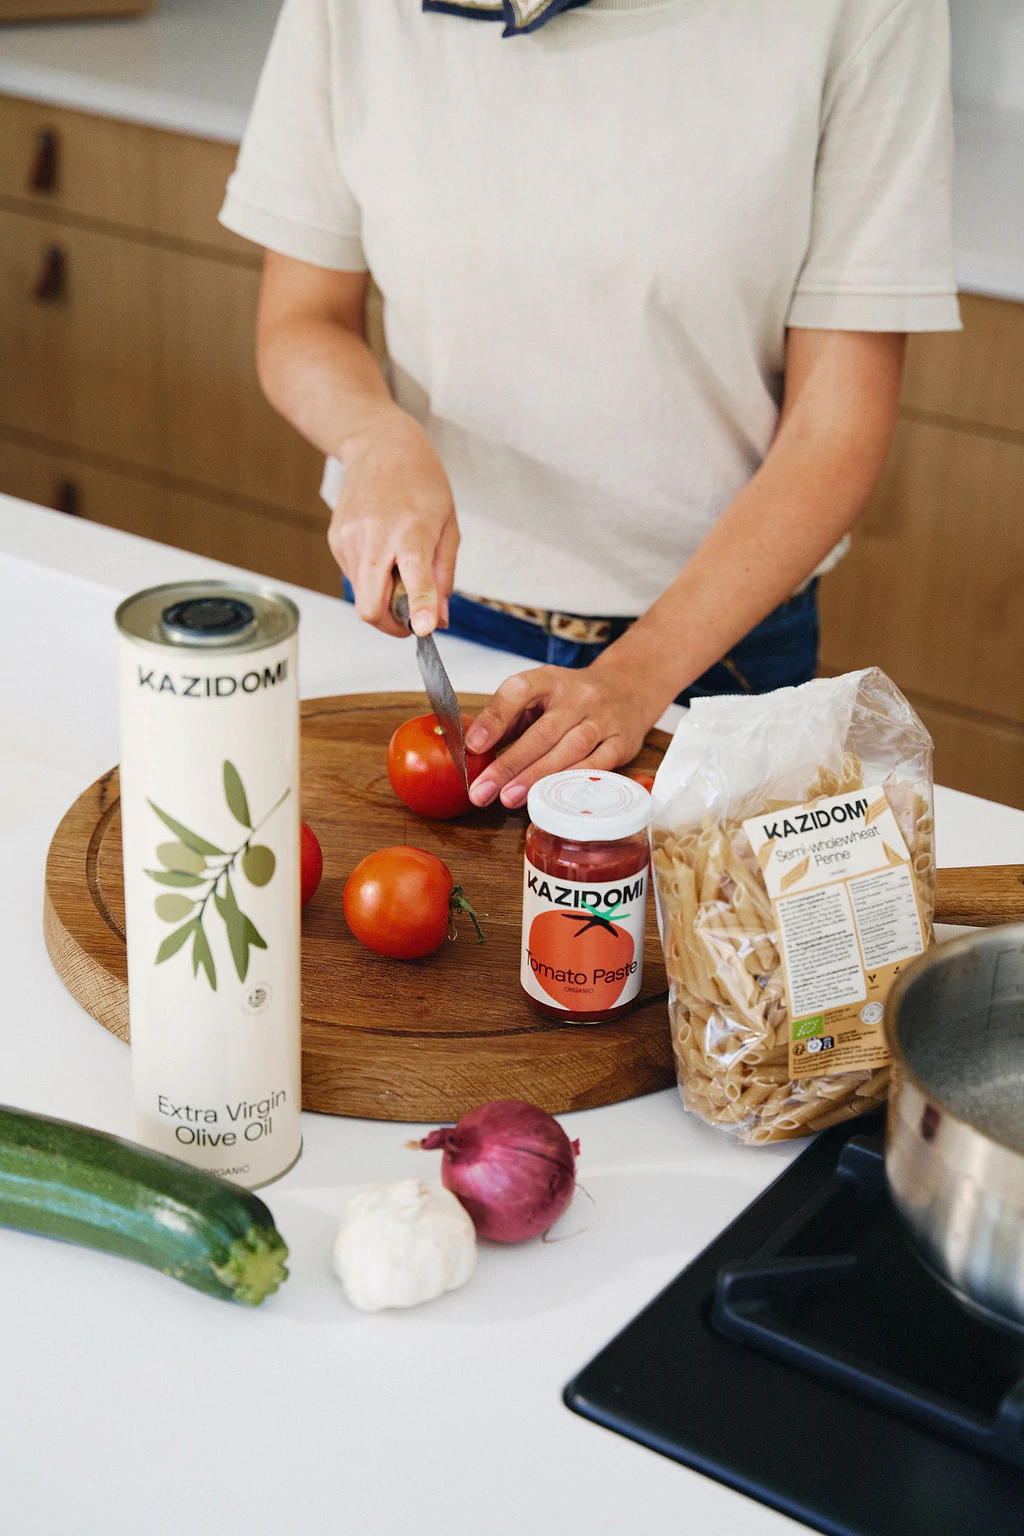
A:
730,1020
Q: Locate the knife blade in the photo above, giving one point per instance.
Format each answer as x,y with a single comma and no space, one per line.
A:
436,681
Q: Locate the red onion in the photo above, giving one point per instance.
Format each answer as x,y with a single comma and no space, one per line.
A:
511,1165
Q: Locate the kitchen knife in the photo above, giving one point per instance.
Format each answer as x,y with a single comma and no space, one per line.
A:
436,681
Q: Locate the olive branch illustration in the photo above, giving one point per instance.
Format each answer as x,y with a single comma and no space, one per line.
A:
193,862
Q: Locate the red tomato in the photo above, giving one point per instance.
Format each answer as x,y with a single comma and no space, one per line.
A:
646,780
422,772
311,862
397,902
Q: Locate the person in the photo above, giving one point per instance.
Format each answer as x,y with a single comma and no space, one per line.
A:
648,268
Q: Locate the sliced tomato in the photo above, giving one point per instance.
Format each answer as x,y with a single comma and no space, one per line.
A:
423,774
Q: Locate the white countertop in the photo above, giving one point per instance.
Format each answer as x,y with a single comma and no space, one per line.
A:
192,67
131,1406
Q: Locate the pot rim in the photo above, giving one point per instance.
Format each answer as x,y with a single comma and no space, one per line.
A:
978,939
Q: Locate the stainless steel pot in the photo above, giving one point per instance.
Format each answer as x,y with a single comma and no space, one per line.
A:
955,1142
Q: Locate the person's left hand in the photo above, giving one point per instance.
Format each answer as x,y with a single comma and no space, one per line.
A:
561,718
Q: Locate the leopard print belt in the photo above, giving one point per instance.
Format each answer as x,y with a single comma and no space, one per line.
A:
563,626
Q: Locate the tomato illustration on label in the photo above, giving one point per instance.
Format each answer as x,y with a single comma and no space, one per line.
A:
580,957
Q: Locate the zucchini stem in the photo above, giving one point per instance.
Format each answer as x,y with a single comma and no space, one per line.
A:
255,1266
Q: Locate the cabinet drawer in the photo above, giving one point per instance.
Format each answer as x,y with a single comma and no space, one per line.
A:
984,758
286,551
190,177
146,355
64,483
975,375
932,589
159,183
249,538
81,365
218,427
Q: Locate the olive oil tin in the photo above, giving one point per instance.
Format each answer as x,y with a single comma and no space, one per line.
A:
209,724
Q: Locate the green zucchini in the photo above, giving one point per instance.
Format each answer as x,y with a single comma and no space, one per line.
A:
67,1181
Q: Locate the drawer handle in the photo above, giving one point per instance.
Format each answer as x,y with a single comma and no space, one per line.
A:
46,166
68,498
51,284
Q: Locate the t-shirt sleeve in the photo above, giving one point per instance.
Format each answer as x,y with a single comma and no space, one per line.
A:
288,192
880,256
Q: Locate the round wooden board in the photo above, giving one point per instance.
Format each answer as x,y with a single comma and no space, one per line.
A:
383,1039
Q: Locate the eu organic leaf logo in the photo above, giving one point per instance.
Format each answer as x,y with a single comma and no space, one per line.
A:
192,863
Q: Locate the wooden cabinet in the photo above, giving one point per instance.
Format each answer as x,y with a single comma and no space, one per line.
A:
289,551
219,430
273,545
81,361
983,756
127,322
117,174
64,482
974,377
933,590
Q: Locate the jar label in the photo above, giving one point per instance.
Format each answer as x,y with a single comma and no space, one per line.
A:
583,944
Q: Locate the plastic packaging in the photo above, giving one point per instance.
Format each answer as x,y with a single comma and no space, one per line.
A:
778,957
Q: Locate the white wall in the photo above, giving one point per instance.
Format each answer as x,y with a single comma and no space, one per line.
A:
988,53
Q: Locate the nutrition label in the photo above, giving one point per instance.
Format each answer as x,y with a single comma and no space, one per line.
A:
823,964
888,922
839,877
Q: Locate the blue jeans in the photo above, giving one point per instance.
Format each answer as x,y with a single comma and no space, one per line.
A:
780,652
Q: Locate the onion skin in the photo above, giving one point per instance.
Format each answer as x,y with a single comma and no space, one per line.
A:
511,1165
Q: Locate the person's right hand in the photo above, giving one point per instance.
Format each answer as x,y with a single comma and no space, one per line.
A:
395,509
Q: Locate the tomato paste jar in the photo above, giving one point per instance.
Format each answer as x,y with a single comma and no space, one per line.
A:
585,894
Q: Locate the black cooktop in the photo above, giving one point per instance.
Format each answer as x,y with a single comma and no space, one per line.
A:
809,1360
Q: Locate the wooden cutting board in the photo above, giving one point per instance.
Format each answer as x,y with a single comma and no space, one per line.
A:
427,1039
383,1039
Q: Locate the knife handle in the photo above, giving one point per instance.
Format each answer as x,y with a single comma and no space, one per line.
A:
399,600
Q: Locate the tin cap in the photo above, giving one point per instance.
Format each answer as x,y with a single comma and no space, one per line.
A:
213,619
589,805
214,616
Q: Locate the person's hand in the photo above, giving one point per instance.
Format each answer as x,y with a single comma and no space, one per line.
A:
593,718
395,509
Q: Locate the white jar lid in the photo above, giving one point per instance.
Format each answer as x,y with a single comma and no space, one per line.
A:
589,805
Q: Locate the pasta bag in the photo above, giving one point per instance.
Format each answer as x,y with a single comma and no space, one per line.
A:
793,851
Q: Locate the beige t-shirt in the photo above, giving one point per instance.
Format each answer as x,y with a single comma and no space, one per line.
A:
590,241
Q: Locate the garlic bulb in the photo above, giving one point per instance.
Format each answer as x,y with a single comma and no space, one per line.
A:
403,1243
